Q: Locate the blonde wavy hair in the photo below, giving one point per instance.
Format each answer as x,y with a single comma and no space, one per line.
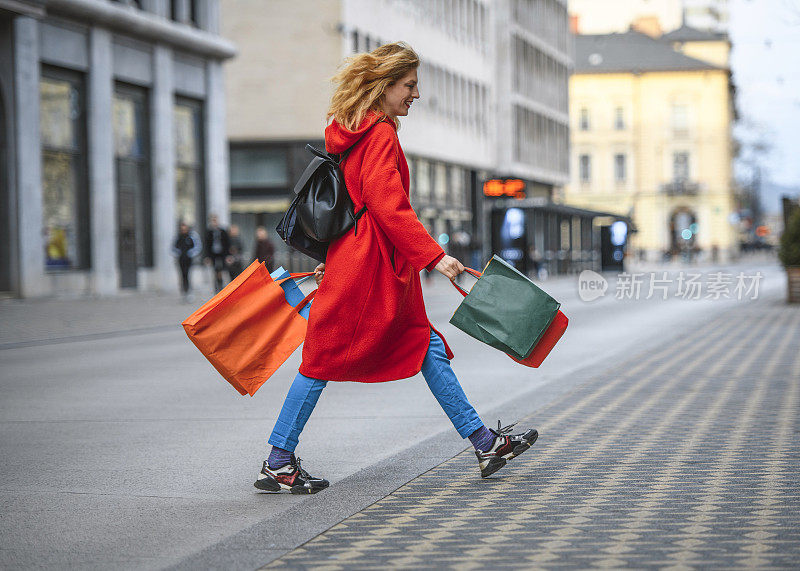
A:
363,78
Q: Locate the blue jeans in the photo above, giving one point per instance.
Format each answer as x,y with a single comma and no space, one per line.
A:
441,379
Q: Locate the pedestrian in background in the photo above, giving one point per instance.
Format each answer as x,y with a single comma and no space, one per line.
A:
235,258
186,246
216,245
265,251
368,321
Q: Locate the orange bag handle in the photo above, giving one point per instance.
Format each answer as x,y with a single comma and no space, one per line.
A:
461,290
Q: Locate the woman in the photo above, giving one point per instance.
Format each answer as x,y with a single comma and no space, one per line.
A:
368,322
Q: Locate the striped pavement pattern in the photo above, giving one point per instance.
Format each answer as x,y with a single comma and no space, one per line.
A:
685,457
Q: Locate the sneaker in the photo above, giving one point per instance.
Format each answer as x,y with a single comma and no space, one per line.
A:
505,447
289,477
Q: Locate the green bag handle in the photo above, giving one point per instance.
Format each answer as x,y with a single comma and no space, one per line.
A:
461,290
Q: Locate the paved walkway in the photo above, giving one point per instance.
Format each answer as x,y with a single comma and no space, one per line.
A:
685,457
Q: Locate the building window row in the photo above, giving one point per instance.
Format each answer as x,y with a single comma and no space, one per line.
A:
546,19
361,42
619,122
466,21
454,97
538,76
183,11
620,168
65,185
439,184
540,141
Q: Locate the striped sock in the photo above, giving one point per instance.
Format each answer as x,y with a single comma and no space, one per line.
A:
278,458
482,439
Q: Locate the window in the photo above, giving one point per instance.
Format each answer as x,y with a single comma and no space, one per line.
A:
585,168
135,3
680,119
422,180
459,193
189,168
258,168
680,166
619,119
439,172
583,122
185,11
194,13
132,154
65,197
620,168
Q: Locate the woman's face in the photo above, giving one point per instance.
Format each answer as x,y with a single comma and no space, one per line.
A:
399,96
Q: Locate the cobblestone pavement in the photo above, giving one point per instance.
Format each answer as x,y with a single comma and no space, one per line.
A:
685,457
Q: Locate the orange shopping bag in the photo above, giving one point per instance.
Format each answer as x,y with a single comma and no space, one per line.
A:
248,329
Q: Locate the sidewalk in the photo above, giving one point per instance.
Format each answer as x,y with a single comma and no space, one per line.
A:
27,322
684,457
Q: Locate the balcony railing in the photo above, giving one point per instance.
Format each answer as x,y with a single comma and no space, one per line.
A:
680,188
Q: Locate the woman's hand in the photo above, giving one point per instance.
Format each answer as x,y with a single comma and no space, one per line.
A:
319,273
449,267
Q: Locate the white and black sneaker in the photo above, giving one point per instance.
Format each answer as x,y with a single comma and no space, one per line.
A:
505,447
289,477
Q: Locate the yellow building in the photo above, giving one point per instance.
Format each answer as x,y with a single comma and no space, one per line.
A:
651,133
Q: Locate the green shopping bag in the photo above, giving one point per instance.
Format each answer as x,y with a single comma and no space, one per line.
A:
505,310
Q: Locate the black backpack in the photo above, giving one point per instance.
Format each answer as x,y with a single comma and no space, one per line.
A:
322,209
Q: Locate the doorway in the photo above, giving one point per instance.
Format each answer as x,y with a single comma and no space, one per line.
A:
683,230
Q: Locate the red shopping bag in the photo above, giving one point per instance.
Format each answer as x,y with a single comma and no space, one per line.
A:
548,339
551,336
248,329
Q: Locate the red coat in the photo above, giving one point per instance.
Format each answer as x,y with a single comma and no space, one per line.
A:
368,320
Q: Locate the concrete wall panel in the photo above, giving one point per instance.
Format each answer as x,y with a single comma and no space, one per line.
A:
190,76
29,157
133,61
64,45
102,182
279,85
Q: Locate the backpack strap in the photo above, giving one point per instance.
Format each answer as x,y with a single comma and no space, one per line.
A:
358,215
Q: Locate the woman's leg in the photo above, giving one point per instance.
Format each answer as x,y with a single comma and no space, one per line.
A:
445,387
282,471
493,448
300,402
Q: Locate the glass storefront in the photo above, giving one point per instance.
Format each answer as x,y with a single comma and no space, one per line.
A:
189,166
64,192
132,159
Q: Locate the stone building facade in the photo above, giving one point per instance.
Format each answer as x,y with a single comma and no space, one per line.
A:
112,115
652,138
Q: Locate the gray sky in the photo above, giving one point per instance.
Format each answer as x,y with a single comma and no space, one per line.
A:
766,66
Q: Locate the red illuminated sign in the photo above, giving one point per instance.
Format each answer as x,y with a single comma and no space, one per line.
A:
513,187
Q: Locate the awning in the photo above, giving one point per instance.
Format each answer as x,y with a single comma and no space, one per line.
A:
256,206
